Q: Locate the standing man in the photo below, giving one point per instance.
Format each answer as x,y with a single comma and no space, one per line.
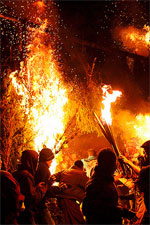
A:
46,156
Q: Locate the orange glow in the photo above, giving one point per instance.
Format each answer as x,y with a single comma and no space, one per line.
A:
109,96
147,36
40,4
142,127
134,130
134,40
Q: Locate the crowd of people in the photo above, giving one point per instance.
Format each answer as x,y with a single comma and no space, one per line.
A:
86,193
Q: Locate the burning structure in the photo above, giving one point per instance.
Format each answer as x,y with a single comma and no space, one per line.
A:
41,105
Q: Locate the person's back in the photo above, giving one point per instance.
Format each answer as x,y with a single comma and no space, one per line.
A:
100,206
75,178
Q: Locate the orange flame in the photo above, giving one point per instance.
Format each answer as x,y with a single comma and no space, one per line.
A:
42,85
109,96
40,4
147,36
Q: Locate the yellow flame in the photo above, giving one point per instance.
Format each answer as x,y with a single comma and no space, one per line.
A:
108,97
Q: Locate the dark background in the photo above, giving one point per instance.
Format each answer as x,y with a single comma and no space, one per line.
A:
82,32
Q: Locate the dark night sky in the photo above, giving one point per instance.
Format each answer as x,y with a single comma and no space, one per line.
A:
81,24
93,22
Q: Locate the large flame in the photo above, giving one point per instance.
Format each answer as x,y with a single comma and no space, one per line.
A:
42,91
109,96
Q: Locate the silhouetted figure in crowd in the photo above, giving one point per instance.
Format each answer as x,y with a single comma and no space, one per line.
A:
143,160
144,181
100,206
11,198
146,147
69,200
46,156
33,194
144,186
144,177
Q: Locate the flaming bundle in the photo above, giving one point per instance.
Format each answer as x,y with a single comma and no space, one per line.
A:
105,121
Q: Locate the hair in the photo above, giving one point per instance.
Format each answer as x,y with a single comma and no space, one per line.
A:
78,163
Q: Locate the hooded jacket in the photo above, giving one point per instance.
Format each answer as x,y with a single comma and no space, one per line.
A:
25,177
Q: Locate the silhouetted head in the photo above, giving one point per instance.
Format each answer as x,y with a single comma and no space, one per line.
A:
79,164
46,154
146,146
29,160
107,161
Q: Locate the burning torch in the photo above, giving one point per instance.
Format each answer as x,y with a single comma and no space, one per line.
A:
105,121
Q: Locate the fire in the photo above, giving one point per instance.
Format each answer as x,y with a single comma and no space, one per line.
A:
147,36
53,166
142,127
40,4
42,92
109,96
134,40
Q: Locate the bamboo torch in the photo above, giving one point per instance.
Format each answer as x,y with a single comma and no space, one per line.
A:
106,130
106,120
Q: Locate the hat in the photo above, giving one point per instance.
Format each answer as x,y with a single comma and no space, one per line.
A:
146,145
46,154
